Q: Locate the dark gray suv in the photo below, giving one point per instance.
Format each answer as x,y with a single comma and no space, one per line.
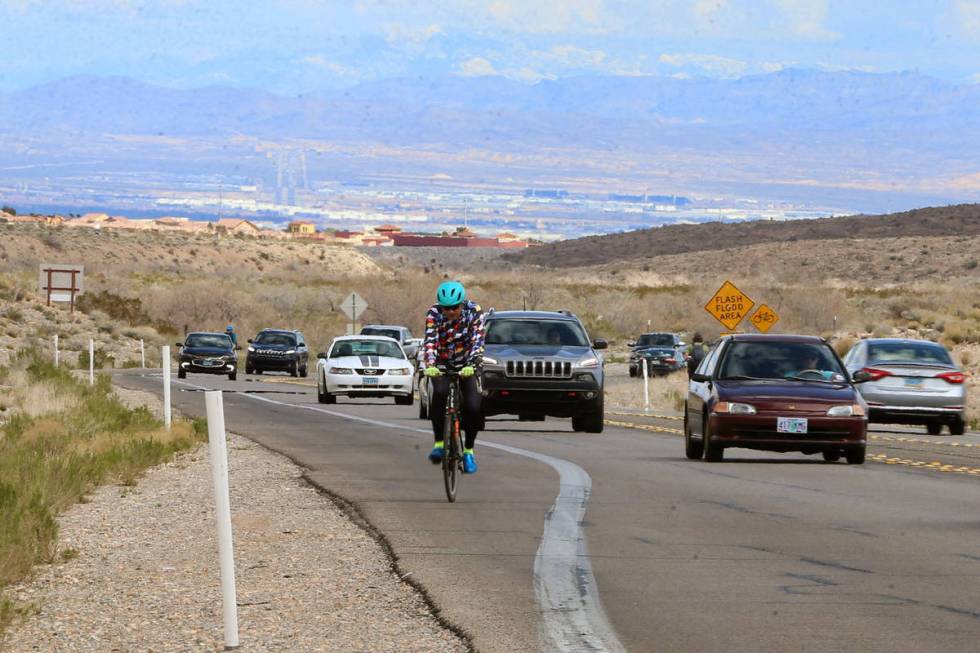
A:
540,363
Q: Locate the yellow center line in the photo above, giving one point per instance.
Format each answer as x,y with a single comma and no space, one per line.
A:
650,415
882,458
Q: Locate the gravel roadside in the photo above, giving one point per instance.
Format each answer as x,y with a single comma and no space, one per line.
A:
142,568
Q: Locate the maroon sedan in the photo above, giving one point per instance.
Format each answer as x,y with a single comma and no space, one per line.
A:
776,393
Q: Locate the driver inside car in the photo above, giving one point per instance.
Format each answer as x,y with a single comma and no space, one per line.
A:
810,368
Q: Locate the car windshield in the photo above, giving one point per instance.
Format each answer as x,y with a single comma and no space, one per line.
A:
535,332
274,338
919,353
390,333
366,348
655,340
780,360
219,340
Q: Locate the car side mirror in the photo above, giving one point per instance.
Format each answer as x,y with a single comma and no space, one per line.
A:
600,343
700,377
631,344
179,344
249,341
322,354
861,377
682,344
238,347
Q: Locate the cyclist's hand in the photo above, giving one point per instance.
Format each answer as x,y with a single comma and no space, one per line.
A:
467,371
432,371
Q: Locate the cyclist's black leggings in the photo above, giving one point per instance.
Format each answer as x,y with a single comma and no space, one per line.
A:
472,419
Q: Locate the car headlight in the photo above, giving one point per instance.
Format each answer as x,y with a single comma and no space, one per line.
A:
290,351
403,371
854,410
734,408
588,362
340,370
251,348
489,361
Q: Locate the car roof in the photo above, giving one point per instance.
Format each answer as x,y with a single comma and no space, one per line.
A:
659,333
385,338
384,326
884,341
289,331
535,315
775,337
207,333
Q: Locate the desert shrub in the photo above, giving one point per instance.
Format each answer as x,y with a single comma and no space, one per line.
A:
843,345
971,264
124,309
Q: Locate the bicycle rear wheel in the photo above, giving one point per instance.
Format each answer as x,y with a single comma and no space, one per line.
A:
453,456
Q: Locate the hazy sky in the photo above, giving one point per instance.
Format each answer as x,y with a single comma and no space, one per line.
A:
293,46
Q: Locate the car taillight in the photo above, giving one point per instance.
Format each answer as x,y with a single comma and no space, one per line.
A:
670,361
952,377
876,373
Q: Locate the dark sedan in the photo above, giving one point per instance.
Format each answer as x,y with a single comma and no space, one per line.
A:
775,393
208,353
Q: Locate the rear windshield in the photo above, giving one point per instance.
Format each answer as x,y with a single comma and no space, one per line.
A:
921,353
656,340
366,348
779,360
535,332
208,340
391,333
273,338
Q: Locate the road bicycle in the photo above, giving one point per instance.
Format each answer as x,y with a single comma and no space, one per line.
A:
452,458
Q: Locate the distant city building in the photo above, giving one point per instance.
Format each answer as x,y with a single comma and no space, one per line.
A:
238,226
302,227
549,193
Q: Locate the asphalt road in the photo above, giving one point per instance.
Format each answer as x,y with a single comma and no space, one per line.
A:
775,552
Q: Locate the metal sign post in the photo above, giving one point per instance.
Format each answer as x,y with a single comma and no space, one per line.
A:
646,384
142,355
165,356
91,362
56,350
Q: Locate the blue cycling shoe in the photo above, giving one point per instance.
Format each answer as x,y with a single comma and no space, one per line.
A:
435,456
469,463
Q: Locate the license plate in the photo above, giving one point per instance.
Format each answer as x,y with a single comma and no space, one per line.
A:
791,425
913,383
369,381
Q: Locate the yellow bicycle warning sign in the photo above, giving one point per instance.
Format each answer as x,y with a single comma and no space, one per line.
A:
764,318
729,305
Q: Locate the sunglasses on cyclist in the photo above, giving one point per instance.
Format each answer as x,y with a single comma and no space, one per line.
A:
455,307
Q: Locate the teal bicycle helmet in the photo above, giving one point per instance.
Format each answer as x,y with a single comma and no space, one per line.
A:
450,293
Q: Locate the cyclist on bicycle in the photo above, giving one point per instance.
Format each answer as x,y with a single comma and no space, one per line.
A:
454,335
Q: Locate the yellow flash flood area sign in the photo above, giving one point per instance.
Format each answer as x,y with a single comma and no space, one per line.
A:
764,318
729,305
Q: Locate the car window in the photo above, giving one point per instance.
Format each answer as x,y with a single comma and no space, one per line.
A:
535,332
390,333
656,340
707,365
922,353
275,338
778,360
366,348
208,340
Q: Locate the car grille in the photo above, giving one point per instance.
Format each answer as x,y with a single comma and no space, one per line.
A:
771,433
208,362
271,352
369,371
539,369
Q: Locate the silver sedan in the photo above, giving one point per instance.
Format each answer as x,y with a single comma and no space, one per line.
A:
906,381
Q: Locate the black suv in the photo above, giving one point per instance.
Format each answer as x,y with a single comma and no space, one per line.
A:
210,353
277,349
540,363
663,353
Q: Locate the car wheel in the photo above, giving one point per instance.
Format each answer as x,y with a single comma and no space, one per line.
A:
321,396
181,374
423,410
632,372
258,371
303,372
249,370
855,456
407,400
934,428
591,422
295,370
693,450
232,376
713,452
957,426
831,456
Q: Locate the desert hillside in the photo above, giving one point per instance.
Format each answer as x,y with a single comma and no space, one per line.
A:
950,221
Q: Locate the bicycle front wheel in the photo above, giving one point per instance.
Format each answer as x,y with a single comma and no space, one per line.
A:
453,456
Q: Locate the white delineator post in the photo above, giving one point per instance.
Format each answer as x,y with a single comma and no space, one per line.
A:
222,512
142,355
56,350
91,361
646,385
165,357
